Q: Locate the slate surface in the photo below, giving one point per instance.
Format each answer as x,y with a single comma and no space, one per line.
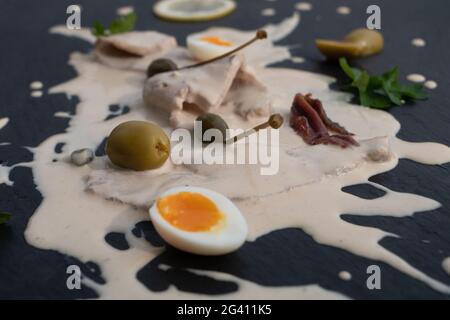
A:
285,257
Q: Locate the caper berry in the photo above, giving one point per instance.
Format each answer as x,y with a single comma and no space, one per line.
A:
212,121
358,43
138,145
160,66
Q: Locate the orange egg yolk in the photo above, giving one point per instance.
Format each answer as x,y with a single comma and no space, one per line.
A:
189,211
217,41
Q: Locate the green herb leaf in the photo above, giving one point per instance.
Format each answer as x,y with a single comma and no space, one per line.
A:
120,25
352,73
4,217
414,91
98,30
374,100
361,81
380,92
123,24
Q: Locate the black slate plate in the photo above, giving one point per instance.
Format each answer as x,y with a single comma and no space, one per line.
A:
285,257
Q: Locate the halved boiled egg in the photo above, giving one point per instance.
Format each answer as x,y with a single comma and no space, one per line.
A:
205,47
199,221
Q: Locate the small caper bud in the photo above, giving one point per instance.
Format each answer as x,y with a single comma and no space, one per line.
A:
160,66
261,34
276,121
82,156
212,121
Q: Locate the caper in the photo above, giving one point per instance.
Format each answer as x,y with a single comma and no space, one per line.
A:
81,157
160,66
212,121
358,43
276,121
138,145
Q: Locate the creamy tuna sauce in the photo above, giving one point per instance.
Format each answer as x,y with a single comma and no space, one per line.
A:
3,122
416,77
343,10
418,42
36,93
446,265
345,275
430,84
74,220
36,85
268,12
303,6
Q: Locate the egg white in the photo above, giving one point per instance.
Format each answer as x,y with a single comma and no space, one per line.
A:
225,239
203,50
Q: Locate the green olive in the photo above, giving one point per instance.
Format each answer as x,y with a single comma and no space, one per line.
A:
358,43
160,66
138,145
212,121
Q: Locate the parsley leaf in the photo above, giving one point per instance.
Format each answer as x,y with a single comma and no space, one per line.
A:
123,24
380,92
98,30
4,217
119,25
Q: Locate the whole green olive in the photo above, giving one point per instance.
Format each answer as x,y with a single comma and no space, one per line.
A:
138,145
160,66
358,43
212,121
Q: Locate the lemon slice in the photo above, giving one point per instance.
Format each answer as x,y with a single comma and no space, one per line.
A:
193,10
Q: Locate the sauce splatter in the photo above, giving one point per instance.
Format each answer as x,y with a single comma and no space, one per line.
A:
36,85
415,77
430,84
343,10
418,42
36,93
345,275
303,6
269,12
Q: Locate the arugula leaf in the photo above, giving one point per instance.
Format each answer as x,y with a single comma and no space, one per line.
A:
4,217
380,92
119,25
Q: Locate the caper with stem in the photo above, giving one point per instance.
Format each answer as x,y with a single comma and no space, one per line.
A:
165,65
160,66
358,43
212,121
275,121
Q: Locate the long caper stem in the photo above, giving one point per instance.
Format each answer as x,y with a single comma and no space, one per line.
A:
275,121
260,34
